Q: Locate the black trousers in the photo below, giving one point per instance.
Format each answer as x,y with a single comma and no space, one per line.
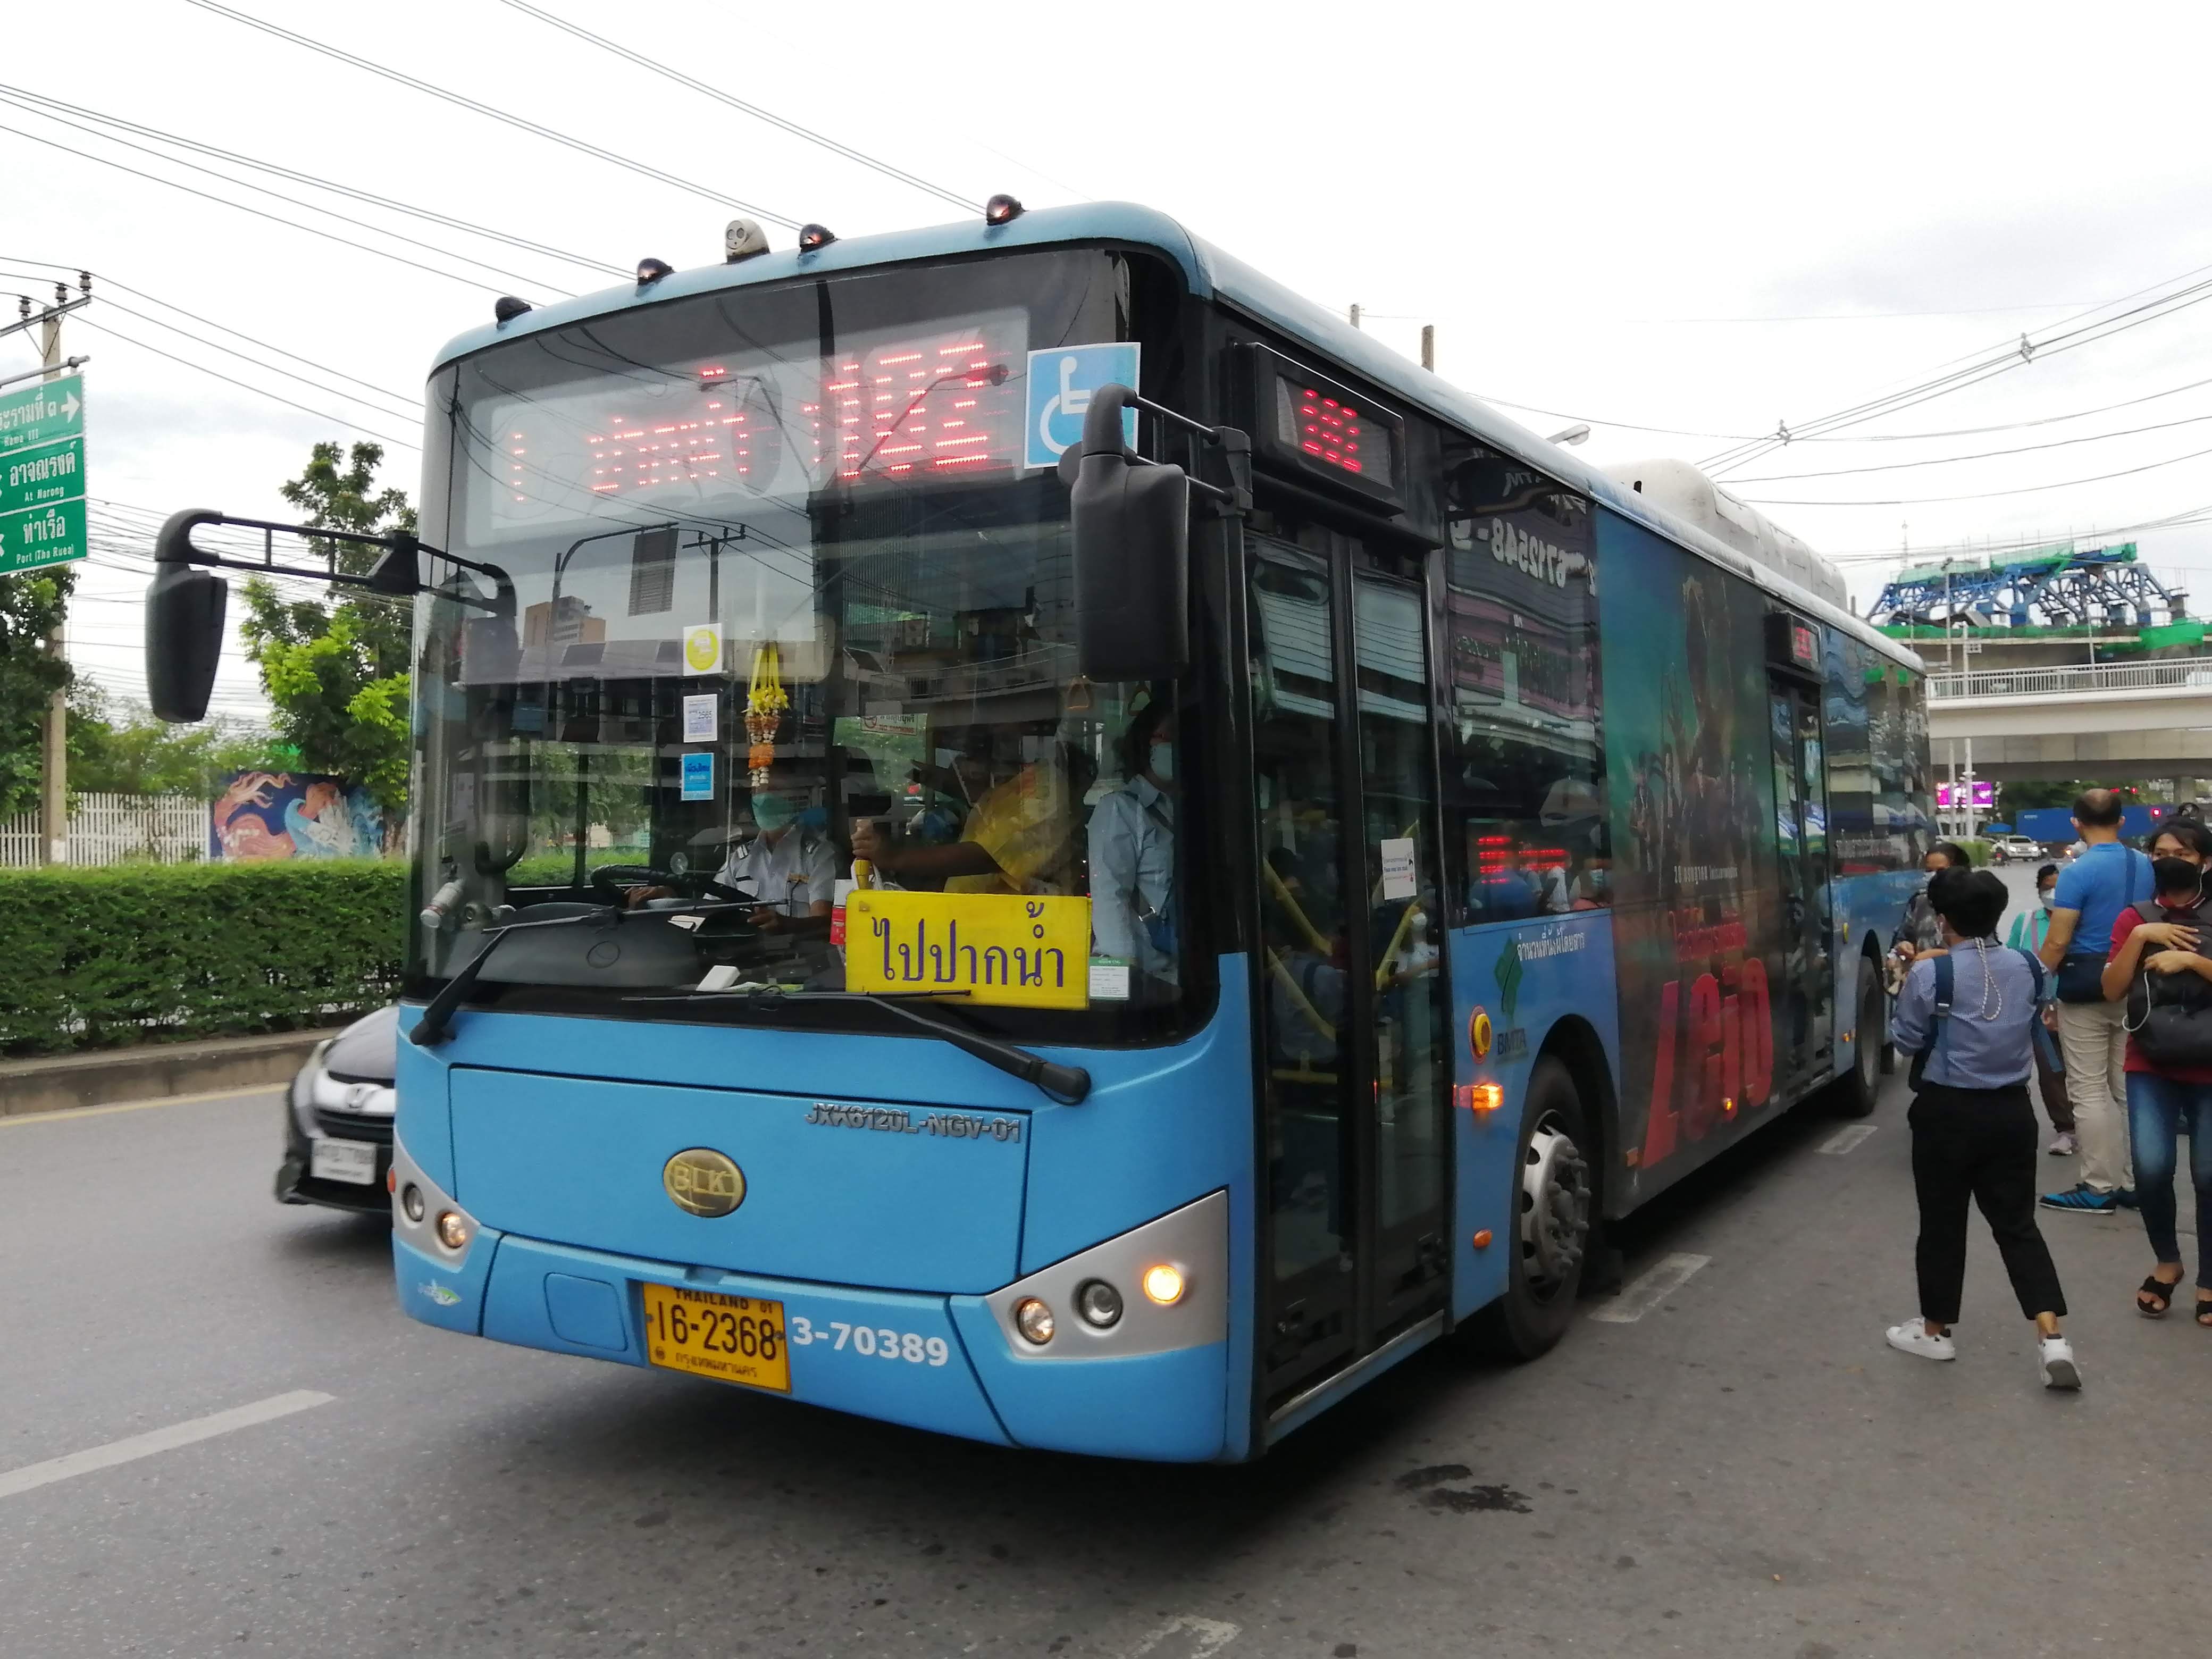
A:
1977,1144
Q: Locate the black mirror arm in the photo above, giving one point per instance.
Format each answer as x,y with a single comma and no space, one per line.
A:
393,576
1235,446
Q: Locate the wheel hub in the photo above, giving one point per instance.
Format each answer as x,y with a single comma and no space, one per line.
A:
1555,1191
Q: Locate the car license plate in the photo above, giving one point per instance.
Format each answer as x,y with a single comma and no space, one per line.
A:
731,1338
343,1160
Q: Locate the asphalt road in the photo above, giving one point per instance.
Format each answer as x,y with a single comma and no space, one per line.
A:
1744,1469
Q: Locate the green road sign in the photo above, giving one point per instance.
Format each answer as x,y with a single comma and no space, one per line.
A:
42,413
42,475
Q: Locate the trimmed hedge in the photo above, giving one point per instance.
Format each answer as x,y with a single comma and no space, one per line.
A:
99,958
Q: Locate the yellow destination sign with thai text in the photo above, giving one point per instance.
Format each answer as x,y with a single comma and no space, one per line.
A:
1006,948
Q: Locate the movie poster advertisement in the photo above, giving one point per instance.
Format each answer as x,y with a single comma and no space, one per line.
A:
262,816
1699,924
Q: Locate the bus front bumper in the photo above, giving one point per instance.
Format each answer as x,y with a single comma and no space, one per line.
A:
1166,1403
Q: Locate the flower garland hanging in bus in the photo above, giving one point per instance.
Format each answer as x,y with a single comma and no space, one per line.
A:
765,701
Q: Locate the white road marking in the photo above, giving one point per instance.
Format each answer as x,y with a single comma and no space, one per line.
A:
1845,1140
159,1440
1207,1636
142,1105
1650,1289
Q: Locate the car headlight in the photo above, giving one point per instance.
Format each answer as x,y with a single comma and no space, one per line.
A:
303,1088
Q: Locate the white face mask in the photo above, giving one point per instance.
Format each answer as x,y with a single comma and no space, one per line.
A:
2046,895
1162,764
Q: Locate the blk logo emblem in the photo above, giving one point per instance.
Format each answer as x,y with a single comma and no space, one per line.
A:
702,1181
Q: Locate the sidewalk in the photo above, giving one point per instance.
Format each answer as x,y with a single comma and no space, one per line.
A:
152,1069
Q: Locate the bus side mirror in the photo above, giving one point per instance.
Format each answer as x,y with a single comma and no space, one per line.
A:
183,623
1132,555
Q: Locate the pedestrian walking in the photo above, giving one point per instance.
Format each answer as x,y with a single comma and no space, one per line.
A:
2159,972
1968,1015
2029,930
2092,892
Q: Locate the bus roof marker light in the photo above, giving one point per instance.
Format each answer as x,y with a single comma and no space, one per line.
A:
1165,1283
505,308
741,239
1001,209
812,238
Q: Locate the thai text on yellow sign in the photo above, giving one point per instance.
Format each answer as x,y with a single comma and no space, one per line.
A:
1007,949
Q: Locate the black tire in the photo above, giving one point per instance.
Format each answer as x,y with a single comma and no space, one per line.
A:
1857,1090
1551,1154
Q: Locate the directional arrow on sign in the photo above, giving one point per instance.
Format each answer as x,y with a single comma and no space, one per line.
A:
69,405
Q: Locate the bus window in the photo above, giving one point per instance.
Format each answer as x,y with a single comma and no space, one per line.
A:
1524,774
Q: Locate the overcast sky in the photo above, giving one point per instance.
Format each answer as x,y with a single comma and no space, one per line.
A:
1703,217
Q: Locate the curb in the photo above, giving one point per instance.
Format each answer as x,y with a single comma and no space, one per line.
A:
152,1071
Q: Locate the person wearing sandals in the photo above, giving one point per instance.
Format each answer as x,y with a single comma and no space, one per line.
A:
1973,1129
2159,970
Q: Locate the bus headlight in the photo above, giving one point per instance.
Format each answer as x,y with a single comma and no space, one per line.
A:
453,1231
1033,1320
1165,1283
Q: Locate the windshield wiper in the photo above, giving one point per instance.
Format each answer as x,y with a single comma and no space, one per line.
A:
437,1017
1066,1085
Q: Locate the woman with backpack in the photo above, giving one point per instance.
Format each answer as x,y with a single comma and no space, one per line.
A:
2158,968
1968,1016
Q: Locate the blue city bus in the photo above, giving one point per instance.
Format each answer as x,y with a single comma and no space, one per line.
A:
1018,832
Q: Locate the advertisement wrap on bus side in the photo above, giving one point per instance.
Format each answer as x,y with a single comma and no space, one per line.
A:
1700,931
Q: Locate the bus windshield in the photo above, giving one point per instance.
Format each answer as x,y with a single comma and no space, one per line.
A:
788,591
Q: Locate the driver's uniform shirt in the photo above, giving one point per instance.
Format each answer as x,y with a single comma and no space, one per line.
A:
790,872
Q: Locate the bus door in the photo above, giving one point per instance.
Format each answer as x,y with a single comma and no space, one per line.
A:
1353,1044
1804,1015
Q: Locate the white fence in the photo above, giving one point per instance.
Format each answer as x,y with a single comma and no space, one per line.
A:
2163,674
111,828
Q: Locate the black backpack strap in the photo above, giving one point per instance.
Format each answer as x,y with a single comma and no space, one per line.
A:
2034,971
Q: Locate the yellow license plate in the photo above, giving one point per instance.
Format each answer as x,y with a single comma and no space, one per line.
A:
731,1338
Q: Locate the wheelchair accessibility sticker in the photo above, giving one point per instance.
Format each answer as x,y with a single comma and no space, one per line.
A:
1061,380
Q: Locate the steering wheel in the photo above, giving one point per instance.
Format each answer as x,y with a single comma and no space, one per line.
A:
609,880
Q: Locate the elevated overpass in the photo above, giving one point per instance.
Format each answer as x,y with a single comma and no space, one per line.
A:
2114,722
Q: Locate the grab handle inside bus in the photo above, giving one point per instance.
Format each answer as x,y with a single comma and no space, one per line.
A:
1132,544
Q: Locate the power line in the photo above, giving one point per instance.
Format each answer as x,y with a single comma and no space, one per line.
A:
812,137
1979,455
1988,494
275,368
276,218
2015,357
516,121
320,415
318,182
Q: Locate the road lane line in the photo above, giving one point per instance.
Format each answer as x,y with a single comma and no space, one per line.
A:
158,1440
142,1105
1207,1636
1845,1140
1650,1289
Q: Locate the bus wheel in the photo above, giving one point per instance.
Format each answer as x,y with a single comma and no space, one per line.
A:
1855,1095
1552,1232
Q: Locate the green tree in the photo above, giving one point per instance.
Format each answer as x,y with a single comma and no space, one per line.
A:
32,604
134,754
336,669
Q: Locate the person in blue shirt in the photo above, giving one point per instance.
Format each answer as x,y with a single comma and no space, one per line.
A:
1974,1130
2092,892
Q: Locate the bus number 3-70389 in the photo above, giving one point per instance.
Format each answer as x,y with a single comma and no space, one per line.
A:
874,1342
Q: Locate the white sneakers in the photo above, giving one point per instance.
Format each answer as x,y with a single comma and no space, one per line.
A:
1911,1337
2055,1359
2054,1355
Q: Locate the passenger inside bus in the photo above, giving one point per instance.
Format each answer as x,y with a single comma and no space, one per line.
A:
1132,844
1020,835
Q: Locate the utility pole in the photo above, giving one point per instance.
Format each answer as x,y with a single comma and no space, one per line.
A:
1429,346
53,794
1355,313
